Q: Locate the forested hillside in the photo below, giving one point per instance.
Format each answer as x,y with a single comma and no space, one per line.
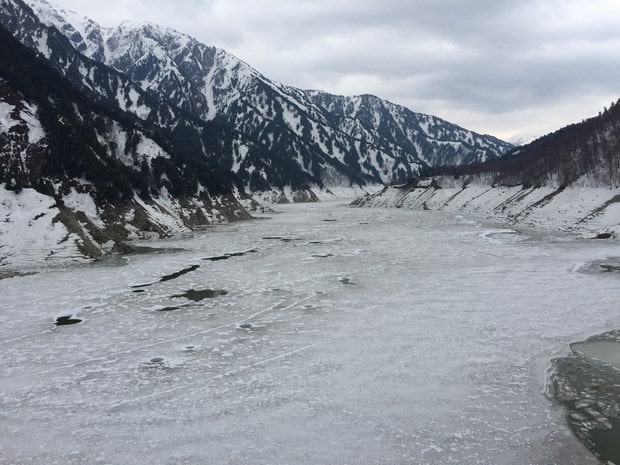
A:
589,150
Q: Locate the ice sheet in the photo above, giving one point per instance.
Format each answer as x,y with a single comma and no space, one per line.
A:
377,337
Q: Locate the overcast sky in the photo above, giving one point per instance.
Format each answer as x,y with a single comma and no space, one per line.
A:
510,68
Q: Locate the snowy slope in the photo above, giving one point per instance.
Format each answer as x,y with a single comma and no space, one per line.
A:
79,179
569,179
29,233
581,207
426,137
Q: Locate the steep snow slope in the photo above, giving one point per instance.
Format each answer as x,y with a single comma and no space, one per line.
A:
581,207
432,140
84,177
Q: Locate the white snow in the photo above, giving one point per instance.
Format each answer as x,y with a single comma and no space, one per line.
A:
241,152
28,231
35,130
141,111
42,45
345,192
83,202
164,211
150,149
6,121
581,207
435,355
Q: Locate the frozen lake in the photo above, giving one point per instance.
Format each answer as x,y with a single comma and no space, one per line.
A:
321,335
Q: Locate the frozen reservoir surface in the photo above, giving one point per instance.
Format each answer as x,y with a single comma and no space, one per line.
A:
321,335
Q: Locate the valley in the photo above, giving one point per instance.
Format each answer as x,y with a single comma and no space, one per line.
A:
321,333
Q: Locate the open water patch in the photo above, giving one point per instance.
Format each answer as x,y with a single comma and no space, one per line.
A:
282,238
168,277
67,320
178,274
226,256
198,295
609,265
501,235
141,249
587,384
170,309
604,235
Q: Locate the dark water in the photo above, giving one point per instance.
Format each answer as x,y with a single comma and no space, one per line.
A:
170,309
226,256
588,384
198,295
281,238
67,320
140,249
609,265
170,277
189,269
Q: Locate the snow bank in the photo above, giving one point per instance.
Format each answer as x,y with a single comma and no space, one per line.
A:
34,229
6,120
311,194
578,208
28,232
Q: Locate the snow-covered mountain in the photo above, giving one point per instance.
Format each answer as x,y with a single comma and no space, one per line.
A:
109,134
80,178
310,137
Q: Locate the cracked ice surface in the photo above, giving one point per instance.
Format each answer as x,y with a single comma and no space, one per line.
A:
383,337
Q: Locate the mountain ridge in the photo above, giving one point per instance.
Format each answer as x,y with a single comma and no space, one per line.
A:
212,84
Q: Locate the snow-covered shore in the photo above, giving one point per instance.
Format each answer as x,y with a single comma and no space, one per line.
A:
581,207
35,229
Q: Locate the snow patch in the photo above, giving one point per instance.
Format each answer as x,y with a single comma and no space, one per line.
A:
6,121
580,208
77,201
28,230
35,130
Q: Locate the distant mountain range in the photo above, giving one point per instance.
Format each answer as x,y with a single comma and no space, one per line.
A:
272,135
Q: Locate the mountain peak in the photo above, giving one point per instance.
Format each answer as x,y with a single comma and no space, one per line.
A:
80,30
